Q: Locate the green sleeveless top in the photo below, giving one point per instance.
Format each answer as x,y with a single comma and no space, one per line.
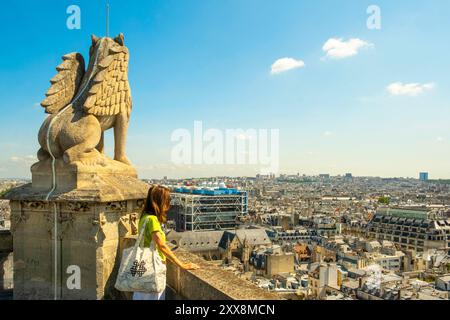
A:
153,225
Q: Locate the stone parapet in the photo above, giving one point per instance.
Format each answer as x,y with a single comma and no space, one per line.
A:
211,282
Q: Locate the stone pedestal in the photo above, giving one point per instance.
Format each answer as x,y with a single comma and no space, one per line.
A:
78,175
90,222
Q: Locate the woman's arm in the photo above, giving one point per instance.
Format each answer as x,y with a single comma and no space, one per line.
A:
156,236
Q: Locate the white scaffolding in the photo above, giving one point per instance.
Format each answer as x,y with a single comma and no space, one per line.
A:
208,212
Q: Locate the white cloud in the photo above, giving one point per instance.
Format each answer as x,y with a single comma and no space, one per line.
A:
340,49
440,139
286,64
409,89
328,133
26,159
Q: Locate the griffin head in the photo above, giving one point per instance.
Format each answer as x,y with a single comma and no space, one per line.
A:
109,93
104,85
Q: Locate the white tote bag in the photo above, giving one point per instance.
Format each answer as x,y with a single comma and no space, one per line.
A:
141,269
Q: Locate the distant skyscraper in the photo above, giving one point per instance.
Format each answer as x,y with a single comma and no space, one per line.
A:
423,176
348,177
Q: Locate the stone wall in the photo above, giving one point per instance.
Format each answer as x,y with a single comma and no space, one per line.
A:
6,263
276,264
6,272
89,237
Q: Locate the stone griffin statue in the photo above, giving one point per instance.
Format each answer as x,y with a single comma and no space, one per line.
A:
83,104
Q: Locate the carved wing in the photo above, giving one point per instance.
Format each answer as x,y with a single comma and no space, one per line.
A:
110,93
65,84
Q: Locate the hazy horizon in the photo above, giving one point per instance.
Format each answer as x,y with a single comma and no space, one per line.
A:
248,176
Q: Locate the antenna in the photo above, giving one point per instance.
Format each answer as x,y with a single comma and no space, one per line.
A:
107,19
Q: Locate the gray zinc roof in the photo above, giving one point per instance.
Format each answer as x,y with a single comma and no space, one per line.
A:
196,241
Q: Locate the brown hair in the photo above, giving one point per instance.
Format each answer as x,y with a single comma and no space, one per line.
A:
158,202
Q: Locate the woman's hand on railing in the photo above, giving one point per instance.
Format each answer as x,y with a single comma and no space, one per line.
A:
156,236
189,266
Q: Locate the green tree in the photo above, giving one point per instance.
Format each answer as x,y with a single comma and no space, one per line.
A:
384,200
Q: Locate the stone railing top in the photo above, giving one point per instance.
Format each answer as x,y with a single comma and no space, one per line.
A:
217,279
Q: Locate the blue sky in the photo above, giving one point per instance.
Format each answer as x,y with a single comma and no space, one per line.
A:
210,61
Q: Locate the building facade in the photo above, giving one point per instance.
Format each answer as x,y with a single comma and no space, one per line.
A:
423,176
411,229
208,211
